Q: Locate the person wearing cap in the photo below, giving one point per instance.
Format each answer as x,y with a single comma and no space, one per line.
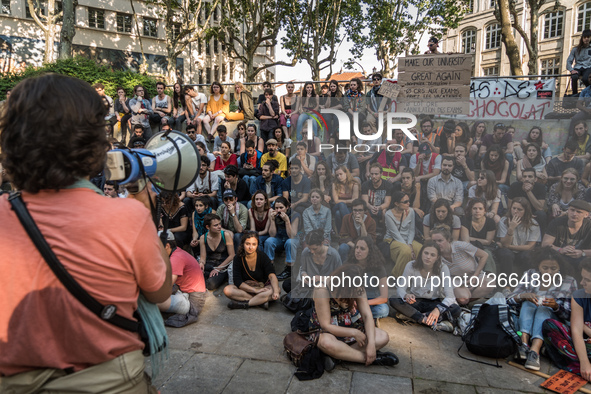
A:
189,282
433,44
579,61
500,137
274,154
234,216
426,164
570,235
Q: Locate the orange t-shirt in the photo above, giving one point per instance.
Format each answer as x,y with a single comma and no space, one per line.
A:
108,245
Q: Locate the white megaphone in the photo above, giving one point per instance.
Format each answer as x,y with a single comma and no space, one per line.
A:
170,159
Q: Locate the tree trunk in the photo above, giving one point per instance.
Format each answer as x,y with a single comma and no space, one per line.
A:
171,76
50,33
511,47
68,29
532,64
144,65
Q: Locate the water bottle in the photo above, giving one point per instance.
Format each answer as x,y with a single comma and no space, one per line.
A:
288,123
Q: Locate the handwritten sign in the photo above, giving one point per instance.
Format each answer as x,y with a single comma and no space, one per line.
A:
511,99
564,382
435,77
455,62
433,107
390,89
453,92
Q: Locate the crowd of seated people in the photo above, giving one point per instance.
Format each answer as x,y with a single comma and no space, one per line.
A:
459,201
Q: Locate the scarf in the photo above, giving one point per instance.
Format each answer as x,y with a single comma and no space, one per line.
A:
227,214
198,220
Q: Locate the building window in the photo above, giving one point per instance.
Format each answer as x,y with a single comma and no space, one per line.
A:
216,73
216,14
150,27
96,18
493,36
215,47
469,41
123,23
5,9
224,71
553,23
491,71
584,17
207,48
176,30
470,7
201,77
231,71
550,66
40,5
492,3
208,75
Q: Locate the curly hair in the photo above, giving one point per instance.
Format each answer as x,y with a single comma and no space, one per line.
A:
374,256
245,236
52,133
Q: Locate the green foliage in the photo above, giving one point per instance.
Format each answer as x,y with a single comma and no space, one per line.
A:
87,70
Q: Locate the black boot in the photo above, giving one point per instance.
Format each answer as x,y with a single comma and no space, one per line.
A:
387,359
285,274
238,304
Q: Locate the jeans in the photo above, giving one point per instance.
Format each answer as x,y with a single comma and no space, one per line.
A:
582,72
379,311
531,318
237,240
301,119
178,123
249,179
262,239
340,210
213,282
344,252
273,244
509,157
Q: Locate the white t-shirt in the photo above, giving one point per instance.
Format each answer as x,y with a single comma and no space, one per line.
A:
197,101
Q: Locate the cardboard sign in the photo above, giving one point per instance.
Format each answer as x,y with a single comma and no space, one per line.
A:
434,107
452,92
390,89
455,62
435,77
564,382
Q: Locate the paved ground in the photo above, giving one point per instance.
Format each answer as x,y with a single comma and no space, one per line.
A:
238,351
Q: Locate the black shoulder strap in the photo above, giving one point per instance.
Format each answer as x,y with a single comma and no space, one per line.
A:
106,312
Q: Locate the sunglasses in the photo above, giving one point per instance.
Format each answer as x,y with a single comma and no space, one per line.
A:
405,202
481,177
376,79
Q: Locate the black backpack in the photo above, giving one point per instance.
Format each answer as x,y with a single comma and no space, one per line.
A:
490,333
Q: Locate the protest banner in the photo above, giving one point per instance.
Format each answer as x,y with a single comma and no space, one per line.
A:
390,89
564,382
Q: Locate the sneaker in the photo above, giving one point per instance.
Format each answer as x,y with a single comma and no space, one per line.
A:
533,361
522,351
285,274
387,359
238,304
444,326
457,331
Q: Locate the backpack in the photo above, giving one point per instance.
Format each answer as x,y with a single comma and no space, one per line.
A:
490,333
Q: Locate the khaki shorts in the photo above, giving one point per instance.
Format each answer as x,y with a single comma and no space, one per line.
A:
123,375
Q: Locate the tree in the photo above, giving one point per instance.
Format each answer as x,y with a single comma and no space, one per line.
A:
313,32
144,65
68,29
247,26
397,26
531,42
45,16
503,15
181,24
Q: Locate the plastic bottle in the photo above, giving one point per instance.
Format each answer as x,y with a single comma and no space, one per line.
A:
288,123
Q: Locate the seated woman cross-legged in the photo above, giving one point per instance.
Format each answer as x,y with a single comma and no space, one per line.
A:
255,282
217,252
428,302
538,299
466,261
346,328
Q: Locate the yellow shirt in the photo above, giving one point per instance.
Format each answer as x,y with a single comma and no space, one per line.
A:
221,105
281,159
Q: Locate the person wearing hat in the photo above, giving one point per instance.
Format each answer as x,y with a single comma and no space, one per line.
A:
188,277
234,216
433,45
274,154
570,235
426,164
579,61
